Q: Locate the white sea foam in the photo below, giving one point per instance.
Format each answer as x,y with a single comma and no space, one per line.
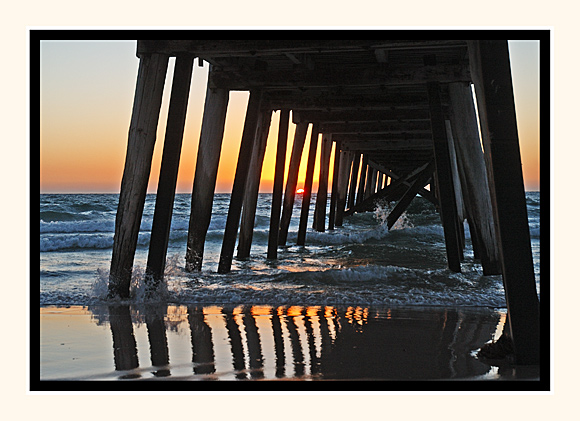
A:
323,272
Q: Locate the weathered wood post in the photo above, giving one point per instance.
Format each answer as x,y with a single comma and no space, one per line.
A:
456,188
363,178
448,208
322,196
240,179
208,157
292,181
368,191
491,73
472,166
142,136
253,187
334,191
343,178
353,179
308,185
278,184
169,169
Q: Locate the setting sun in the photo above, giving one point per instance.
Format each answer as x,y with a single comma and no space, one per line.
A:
299,191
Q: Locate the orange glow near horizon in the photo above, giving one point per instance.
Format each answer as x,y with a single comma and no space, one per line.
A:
87,90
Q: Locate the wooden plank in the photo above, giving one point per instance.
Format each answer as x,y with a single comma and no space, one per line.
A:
240,179
292,181
308,186
494,90
447,202
253,186
169,169
206,168
322,196
142,136
472,166
278,184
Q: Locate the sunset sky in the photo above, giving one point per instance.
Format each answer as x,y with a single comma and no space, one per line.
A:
86,94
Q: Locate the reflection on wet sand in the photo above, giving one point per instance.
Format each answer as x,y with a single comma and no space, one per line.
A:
296,342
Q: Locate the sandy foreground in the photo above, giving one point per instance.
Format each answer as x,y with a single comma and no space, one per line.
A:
237,343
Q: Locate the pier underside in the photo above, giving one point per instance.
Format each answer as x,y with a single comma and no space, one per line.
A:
400,116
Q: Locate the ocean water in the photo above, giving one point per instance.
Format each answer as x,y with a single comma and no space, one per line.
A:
359,264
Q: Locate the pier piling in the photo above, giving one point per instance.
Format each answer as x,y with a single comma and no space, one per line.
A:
142,136
292,181
278,184
308,185
169,169
208,157
490,67
240,178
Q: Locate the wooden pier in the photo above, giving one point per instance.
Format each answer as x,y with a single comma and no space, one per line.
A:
399,115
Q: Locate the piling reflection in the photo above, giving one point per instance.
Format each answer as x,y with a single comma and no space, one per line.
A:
201,342
297,342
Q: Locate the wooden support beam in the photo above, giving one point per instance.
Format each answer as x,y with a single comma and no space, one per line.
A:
206,168
334,192
360,116
240,179
388,194
308,185
474,180
244,79
415,128
448,209
409,195
142,136
322,196
429,195
393,191
343,176
169,170
292,181
362,179
253,186
490,65
266,47
278,184
353,180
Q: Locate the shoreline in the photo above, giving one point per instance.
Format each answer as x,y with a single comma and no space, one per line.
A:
280,343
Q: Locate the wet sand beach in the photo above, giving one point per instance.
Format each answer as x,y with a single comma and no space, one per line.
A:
285,343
